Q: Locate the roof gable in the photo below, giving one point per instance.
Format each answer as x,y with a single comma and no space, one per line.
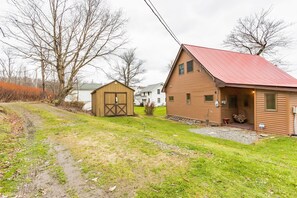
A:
111,83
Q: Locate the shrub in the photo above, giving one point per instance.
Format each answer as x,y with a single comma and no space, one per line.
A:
149,108
13,92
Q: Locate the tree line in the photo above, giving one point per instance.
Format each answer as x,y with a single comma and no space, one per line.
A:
62,37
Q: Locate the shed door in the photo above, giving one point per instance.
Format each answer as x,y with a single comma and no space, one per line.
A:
115,104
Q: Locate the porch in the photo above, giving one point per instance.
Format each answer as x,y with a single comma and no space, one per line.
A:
238,101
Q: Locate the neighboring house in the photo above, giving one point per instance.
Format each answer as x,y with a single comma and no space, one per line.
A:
113,99
137,95
153,93
82,92
211,85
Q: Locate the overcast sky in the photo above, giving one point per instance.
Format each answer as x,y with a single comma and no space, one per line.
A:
197,22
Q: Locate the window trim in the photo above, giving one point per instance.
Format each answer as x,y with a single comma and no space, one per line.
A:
208,100
179,66
192,66
265,101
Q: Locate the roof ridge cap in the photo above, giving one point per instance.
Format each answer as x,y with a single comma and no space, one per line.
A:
225,50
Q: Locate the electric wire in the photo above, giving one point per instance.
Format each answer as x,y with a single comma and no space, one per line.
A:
160,18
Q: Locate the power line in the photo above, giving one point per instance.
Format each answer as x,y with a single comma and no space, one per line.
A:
160,18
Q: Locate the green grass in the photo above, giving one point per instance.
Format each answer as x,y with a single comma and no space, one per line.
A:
155,157
19,153
12,154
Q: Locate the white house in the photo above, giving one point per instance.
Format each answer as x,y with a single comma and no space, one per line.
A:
82,92
137,95
153,93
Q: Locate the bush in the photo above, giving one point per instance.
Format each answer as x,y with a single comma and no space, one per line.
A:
149,108
13,92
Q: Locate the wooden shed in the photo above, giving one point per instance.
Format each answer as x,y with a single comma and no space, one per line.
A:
113,99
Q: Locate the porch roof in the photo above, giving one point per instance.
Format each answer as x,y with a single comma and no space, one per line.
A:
239,68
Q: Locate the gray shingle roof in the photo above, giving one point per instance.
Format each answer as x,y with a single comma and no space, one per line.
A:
150,88
89,86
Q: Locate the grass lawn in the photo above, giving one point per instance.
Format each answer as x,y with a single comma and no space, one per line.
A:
149,156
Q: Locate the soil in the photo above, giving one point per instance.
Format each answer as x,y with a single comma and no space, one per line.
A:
43,183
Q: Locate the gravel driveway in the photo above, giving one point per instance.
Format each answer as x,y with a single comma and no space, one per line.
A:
229,133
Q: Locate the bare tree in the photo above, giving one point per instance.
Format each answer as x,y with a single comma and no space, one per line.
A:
169,65
7,64
128,69
259,35
67,35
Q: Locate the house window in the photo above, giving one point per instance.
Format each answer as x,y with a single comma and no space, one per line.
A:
159,100
181,69
171,98
208,98
246,101
158,91
148,93
270,101
233,101
188,98
190,66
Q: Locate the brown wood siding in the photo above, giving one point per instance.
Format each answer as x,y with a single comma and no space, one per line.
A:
117,88
248,110
198,83
293,102
276,122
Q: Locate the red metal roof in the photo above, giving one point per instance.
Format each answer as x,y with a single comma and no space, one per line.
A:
238,68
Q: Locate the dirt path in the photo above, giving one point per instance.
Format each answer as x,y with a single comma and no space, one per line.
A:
44,183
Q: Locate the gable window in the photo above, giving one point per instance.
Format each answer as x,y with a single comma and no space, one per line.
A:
181,68
171,98
158,91
190,66
188,98
208,98
270,102
159,100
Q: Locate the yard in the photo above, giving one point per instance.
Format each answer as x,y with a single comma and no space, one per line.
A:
141,156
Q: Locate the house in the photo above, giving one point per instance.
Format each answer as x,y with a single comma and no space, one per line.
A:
137,95
211,85
113,99
153,93
82,92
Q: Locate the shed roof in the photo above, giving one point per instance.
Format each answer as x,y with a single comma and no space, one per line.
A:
239,68
109,84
